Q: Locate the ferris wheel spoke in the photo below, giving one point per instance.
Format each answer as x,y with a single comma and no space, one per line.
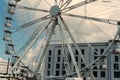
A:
108,21
78,5
100,29
89,45
43,52
86,42
48,3
29,44
37,3
60,3
32,9
28,24
55,1
63,6
93,50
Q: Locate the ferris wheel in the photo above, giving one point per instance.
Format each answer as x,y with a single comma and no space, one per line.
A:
31,26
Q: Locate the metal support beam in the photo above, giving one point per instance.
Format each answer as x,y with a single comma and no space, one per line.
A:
43,52
28,24
30,8
71,54
108,21
78,5
74,42
64,52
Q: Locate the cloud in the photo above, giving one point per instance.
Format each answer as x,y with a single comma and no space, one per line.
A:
31,59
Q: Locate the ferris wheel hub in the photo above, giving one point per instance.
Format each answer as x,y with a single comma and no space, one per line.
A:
55,10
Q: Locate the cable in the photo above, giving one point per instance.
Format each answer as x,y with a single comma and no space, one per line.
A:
48,3
110,7
99,29
38,2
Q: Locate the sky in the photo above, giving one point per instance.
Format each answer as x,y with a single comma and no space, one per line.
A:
2,12
3,57
102,10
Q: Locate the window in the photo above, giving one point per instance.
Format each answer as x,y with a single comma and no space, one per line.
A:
101,51
116,66
76,58
95,73
74,69
81,60
58,59
63,66
102,74
116,59
48,66
49,59
95,67
57,66
82,51
69,57
63,72
50,52
76,52
117,74
59,52
95,51
82,65
95,57
57,73
48,72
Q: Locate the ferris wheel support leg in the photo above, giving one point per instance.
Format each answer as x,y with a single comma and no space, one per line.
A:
75,44
68,70
72,38
72,56
43,53
93,78
66,4
73,59
55,1
67,64
68,31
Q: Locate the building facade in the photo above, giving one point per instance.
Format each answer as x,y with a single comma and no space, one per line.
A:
58,61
